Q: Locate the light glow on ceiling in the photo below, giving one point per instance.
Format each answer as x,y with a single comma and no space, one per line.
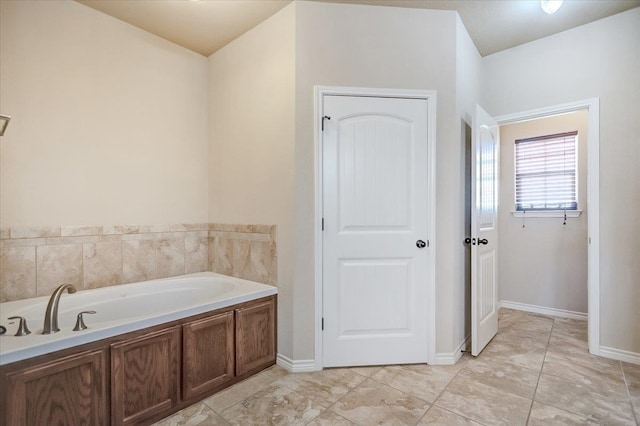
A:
550,6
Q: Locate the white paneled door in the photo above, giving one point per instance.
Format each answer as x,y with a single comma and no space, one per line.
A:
375,242
484,230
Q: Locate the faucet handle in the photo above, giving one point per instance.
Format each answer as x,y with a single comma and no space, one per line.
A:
80,325
23,330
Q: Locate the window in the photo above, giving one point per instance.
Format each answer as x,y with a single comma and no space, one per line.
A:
546,173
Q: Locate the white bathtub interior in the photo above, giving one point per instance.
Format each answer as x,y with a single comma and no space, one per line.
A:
121,309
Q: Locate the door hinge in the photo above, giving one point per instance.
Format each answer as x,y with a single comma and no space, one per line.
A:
427,243
322,324
323,118
323,223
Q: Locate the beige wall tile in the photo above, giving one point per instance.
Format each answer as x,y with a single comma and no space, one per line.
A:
243,258
196,226
5,233
102,264
252,236
76,231
35,232
221,255
56,265
138,260
120,229
17,273
177,227
227,227
196,254
23,242
262,266
169,257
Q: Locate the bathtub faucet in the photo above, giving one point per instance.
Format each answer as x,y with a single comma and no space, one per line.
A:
51,316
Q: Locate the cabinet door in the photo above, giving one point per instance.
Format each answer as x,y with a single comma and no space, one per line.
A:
68,391
145,376
255,336
207,354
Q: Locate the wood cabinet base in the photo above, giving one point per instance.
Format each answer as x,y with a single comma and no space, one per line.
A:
143,376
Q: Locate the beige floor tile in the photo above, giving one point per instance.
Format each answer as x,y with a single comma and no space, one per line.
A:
525,354
483,403
568,344
599,373
323,387
244,389
572,328
537,338
373,403
367,371
439,416
598,406
632,378
423,381
545,415
504,376
329,418
196,415
273,405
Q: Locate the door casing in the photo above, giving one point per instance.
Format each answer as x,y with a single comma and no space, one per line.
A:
430,97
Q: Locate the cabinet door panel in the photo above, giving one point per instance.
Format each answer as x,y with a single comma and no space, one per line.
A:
145,376
70,391
255,336
207,354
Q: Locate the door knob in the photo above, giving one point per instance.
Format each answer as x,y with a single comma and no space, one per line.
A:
421,244
483,241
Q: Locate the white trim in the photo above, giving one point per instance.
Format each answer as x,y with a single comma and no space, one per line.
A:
547,213
620,355
446,358
593,199
430,96
563,313
295,366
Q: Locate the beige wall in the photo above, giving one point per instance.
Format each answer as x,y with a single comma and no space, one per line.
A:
544,263
109,121
368,46
251,144
602,60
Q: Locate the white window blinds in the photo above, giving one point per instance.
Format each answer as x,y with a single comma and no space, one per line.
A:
546,172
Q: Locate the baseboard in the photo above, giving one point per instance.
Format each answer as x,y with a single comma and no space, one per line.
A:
450,358
620,355
295,366
543,310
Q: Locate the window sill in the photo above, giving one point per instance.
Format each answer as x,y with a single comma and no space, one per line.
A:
546,213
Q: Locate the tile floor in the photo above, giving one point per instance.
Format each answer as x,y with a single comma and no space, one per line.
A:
536,371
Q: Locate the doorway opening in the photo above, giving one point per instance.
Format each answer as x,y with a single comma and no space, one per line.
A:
566,233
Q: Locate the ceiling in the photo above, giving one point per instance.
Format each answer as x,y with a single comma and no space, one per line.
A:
494,25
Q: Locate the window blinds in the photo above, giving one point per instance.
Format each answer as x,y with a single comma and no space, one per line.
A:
546,172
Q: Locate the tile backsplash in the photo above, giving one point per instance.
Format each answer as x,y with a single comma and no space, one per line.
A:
35,260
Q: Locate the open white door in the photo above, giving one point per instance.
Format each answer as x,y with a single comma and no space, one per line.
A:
484,230
376,247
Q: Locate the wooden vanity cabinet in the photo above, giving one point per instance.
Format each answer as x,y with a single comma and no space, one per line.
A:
67,391
255,336
207,354
142,376
145,376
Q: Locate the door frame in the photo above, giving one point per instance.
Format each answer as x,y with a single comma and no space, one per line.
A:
430,96
592,106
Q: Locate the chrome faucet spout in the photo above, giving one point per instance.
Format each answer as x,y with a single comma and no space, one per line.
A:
51,316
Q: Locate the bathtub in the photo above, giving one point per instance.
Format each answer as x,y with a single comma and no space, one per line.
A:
121,309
